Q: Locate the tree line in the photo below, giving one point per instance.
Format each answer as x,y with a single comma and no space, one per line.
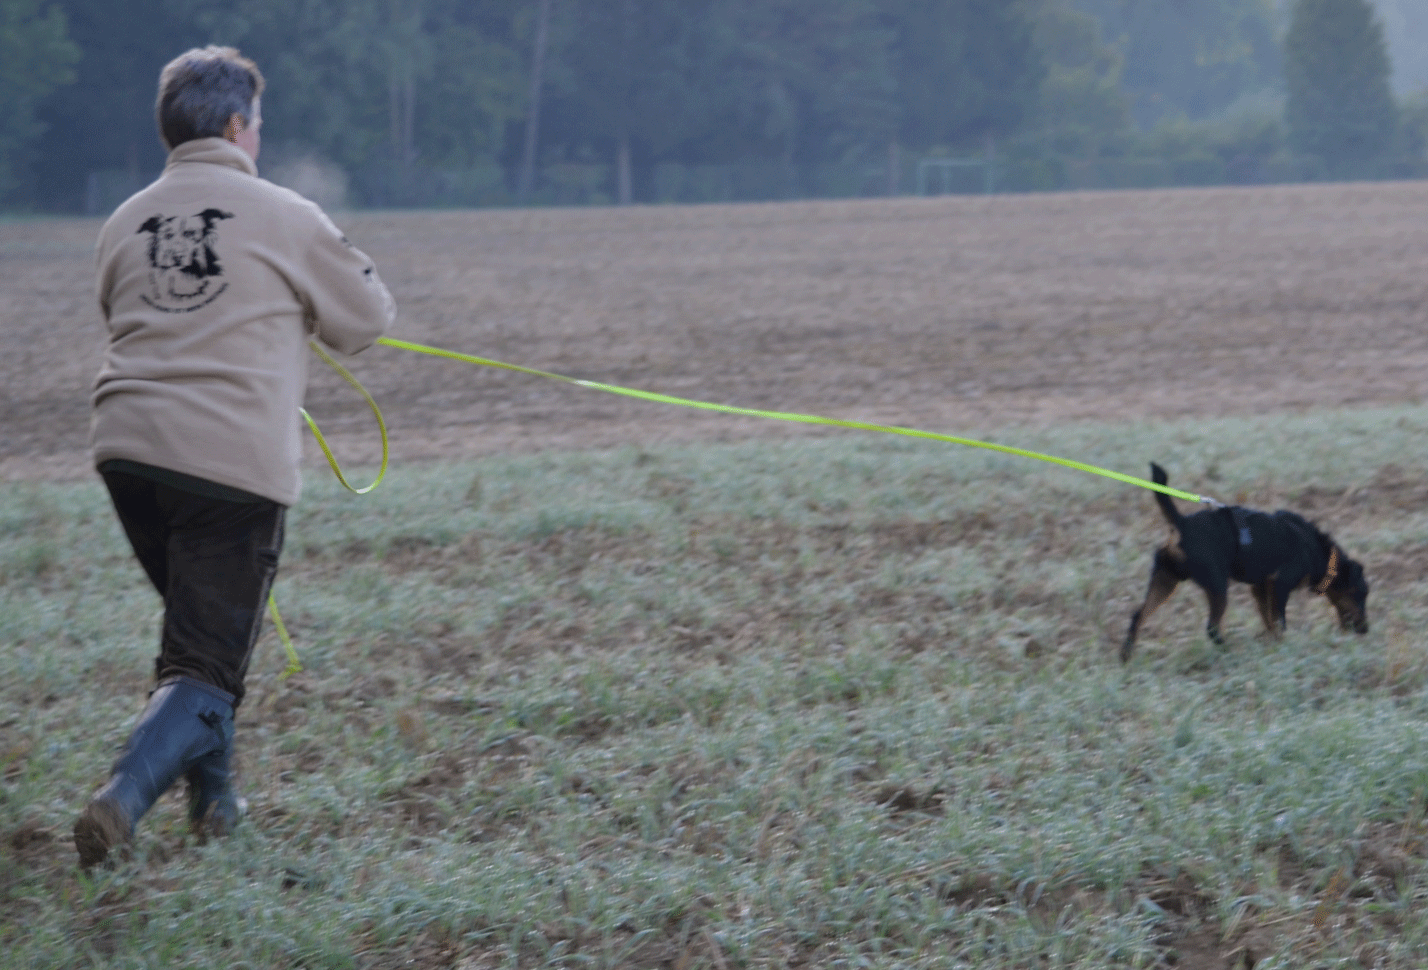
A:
510,91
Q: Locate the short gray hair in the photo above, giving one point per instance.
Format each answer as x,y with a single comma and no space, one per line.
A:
201,89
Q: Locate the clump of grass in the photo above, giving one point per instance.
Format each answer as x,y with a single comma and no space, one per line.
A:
842,701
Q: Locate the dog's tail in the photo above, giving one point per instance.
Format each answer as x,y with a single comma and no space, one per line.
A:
1167,507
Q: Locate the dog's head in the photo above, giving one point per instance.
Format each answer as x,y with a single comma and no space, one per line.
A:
1349,595
185,243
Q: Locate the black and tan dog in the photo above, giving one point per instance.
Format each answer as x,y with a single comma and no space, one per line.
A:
1276,553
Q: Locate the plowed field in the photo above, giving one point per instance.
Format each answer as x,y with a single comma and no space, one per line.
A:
959,314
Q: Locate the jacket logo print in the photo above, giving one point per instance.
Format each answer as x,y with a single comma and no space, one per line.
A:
184,271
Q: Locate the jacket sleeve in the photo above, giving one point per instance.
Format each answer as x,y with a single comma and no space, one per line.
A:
348,307
104,272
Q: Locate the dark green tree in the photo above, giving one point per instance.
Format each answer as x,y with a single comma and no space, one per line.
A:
36,56
434,81
1336,73
966,70
363,83
329,65
803,80
1189,59
789,82
476,85
104,122
635,74
1081,104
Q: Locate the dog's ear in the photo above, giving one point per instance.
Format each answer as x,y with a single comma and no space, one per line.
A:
151,224
1157,474
210,216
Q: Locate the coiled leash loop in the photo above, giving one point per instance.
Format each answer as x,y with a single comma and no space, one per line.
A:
322,442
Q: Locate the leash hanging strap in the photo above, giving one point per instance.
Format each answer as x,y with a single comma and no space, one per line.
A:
294,664
800,418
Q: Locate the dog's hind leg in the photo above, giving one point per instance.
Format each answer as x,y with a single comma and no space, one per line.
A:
1162,584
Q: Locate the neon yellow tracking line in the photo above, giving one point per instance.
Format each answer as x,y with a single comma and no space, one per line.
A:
799,418
294,665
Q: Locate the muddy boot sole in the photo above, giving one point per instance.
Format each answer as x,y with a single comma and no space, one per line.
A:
101,827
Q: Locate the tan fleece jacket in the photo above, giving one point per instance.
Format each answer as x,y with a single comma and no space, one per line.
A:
211,281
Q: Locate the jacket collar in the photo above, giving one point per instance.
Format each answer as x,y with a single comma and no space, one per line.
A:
212,151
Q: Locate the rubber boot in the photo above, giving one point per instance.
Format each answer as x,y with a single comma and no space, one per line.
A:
213,807
185,721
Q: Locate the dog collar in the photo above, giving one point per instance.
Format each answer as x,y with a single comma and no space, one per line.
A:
1330,572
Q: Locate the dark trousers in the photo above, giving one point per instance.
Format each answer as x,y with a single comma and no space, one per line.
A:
213,562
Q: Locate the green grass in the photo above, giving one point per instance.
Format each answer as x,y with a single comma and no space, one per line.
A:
840,702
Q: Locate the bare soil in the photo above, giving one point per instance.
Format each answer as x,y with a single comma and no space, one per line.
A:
957,314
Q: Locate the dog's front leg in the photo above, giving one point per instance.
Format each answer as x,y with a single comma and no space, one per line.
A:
1218,602
1284,584
1264,599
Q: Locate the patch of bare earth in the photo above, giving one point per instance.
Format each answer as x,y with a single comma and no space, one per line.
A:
952,314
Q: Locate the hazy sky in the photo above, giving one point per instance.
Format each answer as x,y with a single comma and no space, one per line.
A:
1406,23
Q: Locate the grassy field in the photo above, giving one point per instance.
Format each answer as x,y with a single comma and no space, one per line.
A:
839,702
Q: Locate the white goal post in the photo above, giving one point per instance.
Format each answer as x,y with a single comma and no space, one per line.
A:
946,166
